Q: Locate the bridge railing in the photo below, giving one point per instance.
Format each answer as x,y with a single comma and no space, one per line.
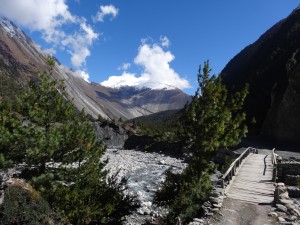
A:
274,162
232,170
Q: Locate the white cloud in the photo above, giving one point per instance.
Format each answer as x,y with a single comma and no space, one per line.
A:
45,16
82,74
106,10
156,74
127,79
78,44
125,66
165,42
49,17
50,51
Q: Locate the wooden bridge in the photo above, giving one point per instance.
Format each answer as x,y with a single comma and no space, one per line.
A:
250,178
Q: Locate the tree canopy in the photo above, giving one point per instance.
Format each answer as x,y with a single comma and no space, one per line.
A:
60,152
213,120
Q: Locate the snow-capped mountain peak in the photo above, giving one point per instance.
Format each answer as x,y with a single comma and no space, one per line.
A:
12,30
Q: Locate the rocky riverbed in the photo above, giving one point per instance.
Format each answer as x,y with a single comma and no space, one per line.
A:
145,172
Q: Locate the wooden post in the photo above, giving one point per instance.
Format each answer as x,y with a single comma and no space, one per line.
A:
274,173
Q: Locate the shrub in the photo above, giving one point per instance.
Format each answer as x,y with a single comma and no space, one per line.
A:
20,206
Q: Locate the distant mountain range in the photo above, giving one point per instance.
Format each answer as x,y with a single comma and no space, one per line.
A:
271,66
20,57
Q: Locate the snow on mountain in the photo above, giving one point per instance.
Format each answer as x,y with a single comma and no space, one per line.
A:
25,57
12,30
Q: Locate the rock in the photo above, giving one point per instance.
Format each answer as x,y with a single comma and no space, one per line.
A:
194,223
144,211
284,196
215,194
214,210
293,209
147,204
281,219
214,200
285,201
207,204
281,208
162,162
140,211
154,214
273,214
217,205
293,218
112,135
198,220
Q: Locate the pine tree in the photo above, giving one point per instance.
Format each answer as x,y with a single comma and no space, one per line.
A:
62,154
213,120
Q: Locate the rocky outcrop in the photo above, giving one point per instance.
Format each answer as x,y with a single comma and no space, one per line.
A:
271,66
288,171
113,136
284,209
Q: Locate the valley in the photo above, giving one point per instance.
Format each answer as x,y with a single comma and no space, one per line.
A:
132,151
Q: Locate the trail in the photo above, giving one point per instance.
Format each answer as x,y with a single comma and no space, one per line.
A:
250,195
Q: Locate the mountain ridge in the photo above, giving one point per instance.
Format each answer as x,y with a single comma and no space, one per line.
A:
19,52
271,66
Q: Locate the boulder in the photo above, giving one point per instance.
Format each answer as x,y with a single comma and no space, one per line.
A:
112,135
273,214
281,208
284,196
293,218
285,201
217,205
198,220
293,209
214,200
281,219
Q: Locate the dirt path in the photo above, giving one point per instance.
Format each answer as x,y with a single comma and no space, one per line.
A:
236,212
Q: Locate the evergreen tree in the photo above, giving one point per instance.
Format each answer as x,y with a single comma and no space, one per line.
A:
62,154
213,120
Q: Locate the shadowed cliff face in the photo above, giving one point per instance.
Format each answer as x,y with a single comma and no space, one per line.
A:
271,66
23,58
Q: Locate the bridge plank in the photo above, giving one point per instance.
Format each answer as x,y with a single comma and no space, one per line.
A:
253,182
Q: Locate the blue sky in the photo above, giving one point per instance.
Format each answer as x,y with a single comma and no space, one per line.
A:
145,42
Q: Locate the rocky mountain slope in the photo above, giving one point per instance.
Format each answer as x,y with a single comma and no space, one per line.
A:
271,66
20,57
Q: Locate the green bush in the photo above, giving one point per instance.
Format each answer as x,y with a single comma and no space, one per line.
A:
184,194
21,207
